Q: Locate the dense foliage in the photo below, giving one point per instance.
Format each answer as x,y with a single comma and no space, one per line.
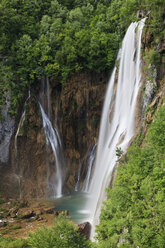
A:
134,213
58,38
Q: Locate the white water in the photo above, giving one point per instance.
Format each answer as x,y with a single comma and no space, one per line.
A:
90,165
53,138
88,160
78,179
21,122
118,117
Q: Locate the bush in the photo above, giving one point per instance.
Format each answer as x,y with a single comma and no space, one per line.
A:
62,235
13,243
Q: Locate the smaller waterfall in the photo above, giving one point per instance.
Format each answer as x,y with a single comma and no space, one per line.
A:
90,165
78,179
88,161
21,123
53,138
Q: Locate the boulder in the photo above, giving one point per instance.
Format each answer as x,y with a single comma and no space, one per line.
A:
85,229
26,213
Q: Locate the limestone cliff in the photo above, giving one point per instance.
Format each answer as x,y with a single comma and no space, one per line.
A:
75,109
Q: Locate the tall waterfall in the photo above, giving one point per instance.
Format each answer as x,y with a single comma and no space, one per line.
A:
118,116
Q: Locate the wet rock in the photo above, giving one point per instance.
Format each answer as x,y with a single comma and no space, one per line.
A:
85,229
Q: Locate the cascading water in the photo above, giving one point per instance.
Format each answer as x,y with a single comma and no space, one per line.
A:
53,137
21,122
118,117
54,173
89,161
90,165
16,173
78,179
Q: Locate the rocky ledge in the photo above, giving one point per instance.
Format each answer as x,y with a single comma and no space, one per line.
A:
20,217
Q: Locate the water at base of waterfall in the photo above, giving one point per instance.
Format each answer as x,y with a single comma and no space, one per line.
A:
75,203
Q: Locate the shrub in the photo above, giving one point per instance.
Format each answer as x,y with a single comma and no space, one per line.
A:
62,235
13,243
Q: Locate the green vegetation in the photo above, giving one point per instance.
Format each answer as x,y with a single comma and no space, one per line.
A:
13,243
134,212
59,38
63,234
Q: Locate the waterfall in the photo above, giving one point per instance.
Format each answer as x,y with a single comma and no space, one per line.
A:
21,122
88,160
118,117
90,165
78,179
54,173
53,138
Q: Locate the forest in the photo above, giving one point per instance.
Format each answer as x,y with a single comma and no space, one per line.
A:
59,38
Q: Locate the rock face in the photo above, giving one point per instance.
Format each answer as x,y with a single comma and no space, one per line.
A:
80,109
73,108
6,131
85,229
